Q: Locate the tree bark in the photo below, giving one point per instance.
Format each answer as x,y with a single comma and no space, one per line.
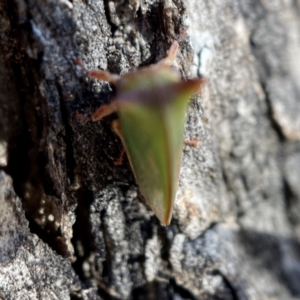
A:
73,225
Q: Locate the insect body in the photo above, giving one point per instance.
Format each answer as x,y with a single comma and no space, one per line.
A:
151,104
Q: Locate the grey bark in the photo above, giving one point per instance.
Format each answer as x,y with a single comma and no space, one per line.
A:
75,226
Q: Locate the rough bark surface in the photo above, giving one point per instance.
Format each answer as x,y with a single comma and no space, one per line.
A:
75,226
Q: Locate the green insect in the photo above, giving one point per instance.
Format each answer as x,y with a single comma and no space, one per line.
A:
151,103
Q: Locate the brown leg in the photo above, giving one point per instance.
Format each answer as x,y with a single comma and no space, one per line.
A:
100,113
193,143
105,76
117,130
103,111
98,74
119,161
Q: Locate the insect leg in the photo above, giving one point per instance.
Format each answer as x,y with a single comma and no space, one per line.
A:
193,143
103,111
105,76
98,74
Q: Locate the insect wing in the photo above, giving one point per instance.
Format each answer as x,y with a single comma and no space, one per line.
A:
153,138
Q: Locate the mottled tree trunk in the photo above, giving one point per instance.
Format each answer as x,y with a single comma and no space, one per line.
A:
73,225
